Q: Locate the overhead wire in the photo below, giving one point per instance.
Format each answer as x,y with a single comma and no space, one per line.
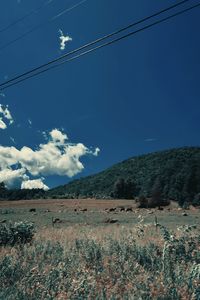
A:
43,24
68,9
98,40
33,11
22,77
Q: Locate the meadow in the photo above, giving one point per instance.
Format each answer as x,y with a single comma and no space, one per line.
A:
142,254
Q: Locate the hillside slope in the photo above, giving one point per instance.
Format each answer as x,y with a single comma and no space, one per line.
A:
178,171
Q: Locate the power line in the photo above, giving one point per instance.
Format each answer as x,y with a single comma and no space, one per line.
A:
13,81
68,9
96,41
25,16
42,24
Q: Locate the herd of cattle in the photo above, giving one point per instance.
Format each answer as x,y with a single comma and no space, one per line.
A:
79,209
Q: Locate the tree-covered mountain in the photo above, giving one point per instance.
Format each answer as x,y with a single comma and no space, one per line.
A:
176,173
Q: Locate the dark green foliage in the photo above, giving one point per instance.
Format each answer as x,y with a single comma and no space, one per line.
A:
157,190
196,200
124,189
178,171
144,202
16,233
20,194
3,191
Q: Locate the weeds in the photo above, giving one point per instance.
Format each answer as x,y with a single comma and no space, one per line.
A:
127,267
16,233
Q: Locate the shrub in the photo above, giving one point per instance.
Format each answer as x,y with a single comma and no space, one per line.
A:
196,201
144,202
16,233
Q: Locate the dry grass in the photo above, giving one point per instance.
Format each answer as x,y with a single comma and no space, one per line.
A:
85,258
104,262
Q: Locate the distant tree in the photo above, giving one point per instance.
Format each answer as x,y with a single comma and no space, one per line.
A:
192,182
196,200
2,186
156,193
131,189
119,188
124,189
3,191
143,202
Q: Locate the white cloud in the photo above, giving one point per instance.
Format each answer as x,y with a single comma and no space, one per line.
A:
5,114
2,124
11,177
58,136
96,152
34,184
55,157
64,40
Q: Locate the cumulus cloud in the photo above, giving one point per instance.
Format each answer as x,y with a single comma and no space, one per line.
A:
96,152
11,177
56,157
58,136
5,115
63,40
2,124
34,184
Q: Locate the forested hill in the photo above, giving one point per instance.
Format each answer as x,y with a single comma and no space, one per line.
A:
176,172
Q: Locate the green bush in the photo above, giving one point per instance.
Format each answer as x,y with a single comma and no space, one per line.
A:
16,233
196,201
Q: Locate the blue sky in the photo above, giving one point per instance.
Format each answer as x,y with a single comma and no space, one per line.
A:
137,96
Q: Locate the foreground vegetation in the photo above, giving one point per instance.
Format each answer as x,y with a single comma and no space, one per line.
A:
146,261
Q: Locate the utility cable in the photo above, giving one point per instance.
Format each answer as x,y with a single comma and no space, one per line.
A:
26,16
13,81
42,24
96,41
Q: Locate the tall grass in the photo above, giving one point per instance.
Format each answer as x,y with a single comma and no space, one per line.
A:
111,262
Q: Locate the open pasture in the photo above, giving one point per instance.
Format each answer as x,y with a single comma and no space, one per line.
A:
86,256
92,212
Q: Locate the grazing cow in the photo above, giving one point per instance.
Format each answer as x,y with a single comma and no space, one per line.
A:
122,209
32,209
56,221
3,221
83,209
112,209
184,214
111,221
160,208
129,209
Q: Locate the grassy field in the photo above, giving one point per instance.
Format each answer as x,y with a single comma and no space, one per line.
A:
84,256
96,214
